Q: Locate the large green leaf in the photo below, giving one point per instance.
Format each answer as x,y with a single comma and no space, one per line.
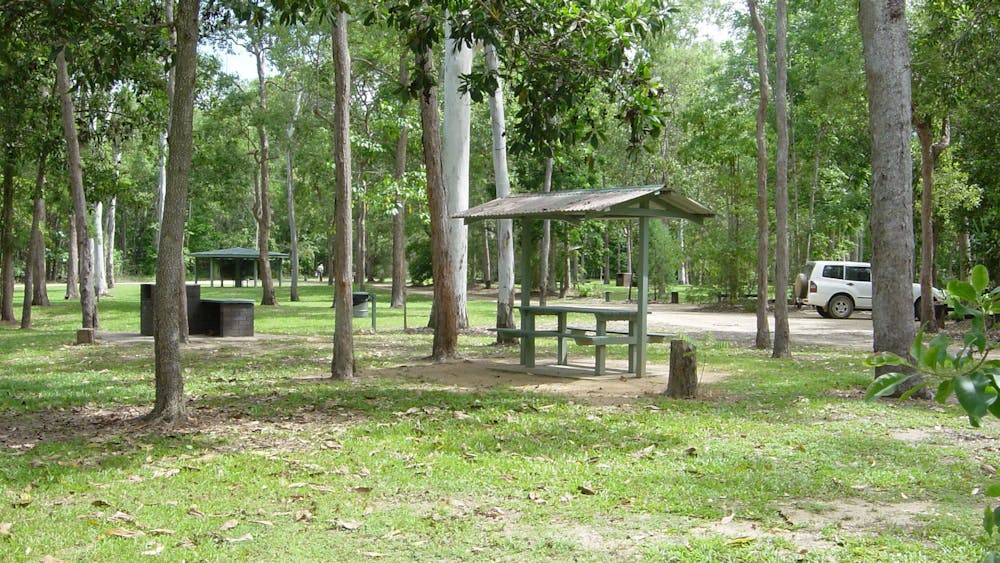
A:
884,359
962,290
980,278
972,400
885,385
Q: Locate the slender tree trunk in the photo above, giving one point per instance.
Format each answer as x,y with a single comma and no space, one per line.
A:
887,73
505,227
293,233
170,405
813,189
929,153
546,244
72,261
39,293
445,343
607,253
99,274
161,184
88,303
399,218
361,247
264,212
109,254
781,332
7,236
763,339
343,333
455,166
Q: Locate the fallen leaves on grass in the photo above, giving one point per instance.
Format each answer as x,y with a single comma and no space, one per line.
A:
5,529
241,539
348,524
154,549
229,525
124,533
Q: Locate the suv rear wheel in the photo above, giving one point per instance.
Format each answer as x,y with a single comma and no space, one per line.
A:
840,306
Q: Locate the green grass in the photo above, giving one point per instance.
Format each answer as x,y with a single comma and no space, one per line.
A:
388,467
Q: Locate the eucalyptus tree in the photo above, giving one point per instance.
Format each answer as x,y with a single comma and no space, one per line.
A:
974,59
887,63
763,335
170,405
501,175
938,89
781,336
554,54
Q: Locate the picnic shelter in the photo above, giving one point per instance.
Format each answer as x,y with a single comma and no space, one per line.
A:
633,202
236,264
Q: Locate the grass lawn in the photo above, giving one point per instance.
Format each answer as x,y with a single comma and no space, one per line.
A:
779,460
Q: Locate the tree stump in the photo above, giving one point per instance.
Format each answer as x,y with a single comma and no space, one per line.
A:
682,383
85,336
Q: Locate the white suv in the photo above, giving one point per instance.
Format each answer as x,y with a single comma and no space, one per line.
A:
837,289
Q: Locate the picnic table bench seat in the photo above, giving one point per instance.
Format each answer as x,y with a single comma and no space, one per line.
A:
581,333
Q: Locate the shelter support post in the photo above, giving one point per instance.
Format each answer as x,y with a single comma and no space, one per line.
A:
643,308
527,342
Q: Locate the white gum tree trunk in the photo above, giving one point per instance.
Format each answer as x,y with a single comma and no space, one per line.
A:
505,227
455,161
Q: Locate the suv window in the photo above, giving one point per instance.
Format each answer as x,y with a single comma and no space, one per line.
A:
858,273
836,272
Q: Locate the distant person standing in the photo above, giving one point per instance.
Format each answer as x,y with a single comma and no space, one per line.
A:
319,272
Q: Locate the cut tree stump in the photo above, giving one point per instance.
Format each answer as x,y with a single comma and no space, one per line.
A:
85,336
682,383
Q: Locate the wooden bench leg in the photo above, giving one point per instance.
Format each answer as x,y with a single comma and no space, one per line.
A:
528,351
561,352
600,359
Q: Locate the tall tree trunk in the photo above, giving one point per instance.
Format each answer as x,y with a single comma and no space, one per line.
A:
505,227
109,254
88,303
763,339
99,274
161,184
607,253
72,261
343,333
293,233
39,293
813,189
546,244
399,218
7,236
887,73
170,405
263,213
929,153
361,247
455,165
445,343
781,332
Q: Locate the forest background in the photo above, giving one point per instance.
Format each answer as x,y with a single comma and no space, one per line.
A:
701,143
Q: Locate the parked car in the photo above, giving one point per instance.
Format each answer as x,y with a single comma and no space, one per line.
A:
838,288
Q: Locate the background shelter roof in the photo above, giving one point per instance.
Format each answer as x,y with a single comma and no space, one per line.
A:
235,253
609,203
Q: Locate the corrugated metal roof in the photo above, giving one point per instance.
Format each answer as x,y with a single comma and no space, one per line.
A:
610,203
245,253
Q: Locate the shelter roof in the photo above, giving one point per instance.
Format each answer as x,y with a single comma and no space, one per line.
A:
237,253
609,203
